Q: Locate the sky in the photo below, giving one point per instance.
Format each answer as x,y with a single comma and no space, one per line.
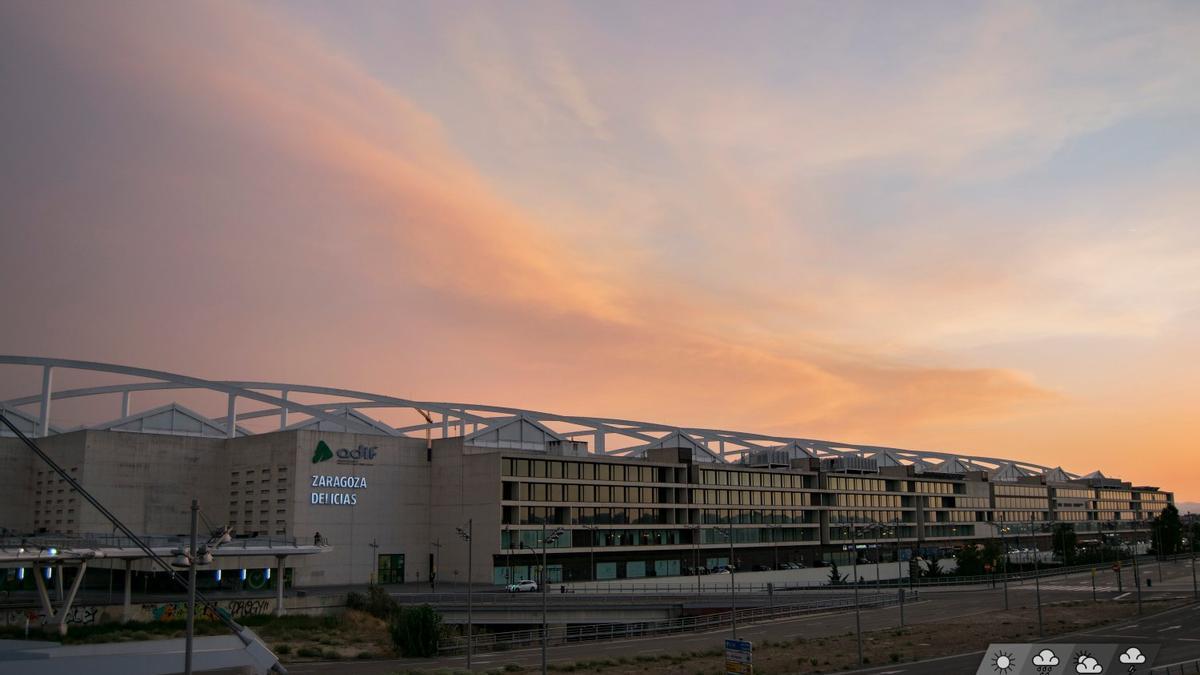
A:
967,227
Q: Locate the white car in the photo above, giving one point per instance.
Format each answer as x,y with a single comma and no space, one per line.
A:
523,586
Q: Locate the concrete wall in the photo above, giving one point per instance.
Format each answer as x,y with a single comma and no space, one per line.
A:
391,511
149,480
16,488
468,488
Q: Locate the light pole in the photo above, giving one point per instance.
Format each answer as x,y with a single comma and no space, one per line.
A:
1159,547
732,582
857,613
544,578
592,531
466,536
191,605
1192,545
696,555
1037,580
1137,577
899,571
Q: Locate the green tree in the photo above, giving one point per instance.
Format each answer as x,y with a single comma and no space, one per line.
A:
835,577
969,561
935,570
416,631
1064,541
1168,530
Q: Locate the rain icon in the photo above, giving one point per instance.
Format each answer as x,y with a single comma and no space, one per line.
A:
1045,661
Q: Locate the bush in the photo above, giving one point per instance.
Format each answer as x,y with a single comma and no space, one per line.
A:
309,652
415,631
377,602
283,649
332,654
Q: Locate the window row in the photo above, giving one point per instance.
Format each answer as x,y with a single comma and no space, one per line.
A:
892,501
734,478
1021,490
751,498
548,468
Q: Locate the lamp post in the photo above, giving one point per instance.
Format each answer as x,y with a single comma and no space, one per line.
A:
1192,545
732,582
1037,581
696,554
437,562
544,578
1137,577
466,536
899,571
191,604
592,532
857,613
1159,547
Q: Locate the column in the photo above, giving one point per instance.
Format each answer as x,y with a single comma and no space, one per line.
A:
279,585
283,411
44,419
231,431
127,610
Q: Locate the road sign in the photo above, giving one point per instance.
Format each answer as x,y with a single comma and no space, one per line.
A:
739,657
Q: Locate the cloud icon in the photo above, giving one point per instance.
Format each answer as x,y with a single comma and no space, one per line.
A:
1133,655
1088,666
1045,658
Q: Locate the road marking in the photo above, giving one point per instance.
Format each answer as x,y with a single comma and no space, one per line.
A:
1123,595
1134,625
890,672
1163,630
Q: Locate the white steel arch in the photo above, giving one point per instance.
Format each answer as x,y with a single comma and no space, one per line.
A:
443,419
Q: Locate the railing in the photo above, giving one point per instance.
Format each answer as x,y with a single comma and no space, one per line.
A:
598,632
94,541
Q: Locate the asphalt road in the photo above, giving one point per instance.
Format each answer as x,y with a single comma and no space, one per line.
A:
1179,644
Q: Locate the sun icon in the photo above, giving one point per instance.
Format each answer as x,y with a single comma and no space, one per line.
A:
1002,662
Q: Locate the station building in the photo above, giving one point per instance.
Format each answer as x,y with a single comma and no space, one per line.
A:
392,508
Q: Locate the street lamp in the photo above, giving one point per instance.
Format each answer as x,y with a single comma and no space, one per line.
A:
544,578
190,558
593,531
1037,581
696,554
732,584
466,536
857,613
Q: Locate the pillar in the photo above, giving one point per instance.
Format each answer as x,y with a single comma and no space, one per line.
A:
125,404
283,411
127,610
231,431
44,419
279,585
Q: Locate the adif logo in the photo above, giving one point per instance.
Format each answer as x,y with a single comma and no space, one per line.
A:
322,452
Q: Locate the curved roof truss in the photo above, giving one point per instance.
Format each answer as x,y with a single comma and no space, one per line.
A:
345,408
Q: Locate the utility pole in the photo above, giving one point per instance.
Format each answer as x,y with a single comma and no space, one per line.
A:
466,535
1137,578
191,605
1037,580
857,614
543,580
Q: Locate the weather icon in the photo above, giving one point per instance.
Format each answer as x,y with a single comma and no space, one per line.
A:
1086,664
1132,657
1003,663
1045,661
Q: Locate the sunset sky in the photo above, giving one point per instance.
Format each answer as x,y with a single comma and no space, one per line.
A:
969,227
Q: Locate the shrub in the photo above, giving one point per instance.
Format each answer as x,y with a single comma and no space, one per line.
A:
377,602
415,631
283,649
309,652
511,667
364,655
332,654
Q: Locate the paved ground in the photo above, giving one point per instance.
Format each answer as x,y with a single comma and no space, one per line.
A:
935,605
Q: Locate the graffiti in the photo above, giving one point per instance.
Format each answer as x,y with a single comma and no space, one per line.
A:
177,611
80,615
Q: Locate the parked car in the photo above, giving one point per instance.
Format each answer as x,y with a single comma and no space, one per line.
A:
762,568
701,570
523,586
820,563
720,570
797,565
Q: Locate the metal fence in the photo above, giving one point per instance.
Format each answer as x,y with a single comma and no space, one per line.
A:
492,642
